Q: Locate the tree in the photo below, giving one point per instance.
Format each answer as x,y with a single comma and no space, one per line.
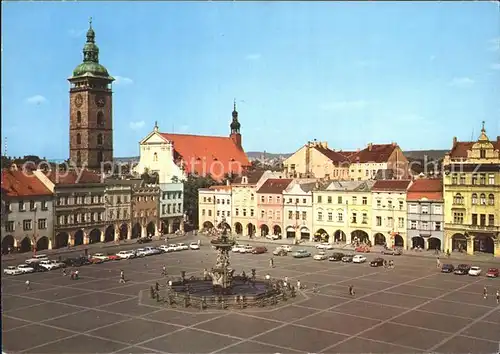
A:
191,186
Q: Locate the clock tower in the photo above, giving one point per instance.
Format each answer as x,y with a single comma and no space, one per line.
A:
91,115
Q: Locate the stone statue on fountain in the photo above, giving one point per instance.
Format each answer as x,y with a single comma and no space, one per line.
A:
222,274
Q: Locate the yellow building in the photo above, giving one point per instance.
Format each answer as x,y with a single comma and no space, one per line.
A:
316,160
389,213
206,209
471,192
342,211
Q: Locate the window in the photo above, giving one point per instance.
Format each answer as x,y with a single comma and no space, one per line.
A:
474,179
425,225
218,201
330,216
389,204
365,218
290,215
155,155
474,198
278,199
27,225
401,223
491,179
454,179
304,215
491,220
482,154
218,212
462,179
390,222
32,205
9,226
365,201
296,200
491,199
354,218
483,219
169,209
425,209
329,200
44,205
78,138
100,119
251,212
320,216
42,224
413,208
278,215
474,219
244,212
354,200
228,213
78,117
340,216
401,205
223,201
262,199
438,209
237,212
437,226
458,199
297,215
289,200
209,212
304,201
100,156
339,200
22,207
482,179
413,225
319,199
270,199
262,214
99,142
379,220
379,203
483,199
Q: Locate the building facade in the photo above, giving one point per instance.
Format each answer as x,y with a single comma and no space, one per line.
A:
27,212
270,206
389,213
91,112
297,211
171,209
144,207
471,193
206,209
425,214
118,198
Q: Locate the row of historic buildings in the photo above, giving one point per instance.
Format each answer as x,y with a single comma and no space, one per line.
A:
460,211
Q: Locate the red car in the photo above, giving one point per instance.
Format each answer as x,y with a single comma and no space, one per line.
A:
114,257
259,250
493,273
96,260
362,249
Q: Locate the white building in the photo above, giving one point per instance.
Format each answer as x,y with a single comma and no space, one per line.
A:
297,210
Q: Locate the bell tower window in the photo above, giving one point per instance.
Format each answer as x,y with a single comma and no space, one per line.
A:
78,138
99,139
78,117
100,118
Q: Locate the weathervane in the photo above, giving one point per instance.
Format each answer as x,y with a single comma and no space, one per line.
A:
483,126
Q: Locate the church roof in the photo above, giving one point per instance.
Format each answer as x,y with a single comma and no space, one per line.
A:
203,155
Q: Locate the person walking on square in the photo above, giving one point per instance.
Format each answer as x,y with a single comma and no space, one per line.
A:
122,277
485,293
438,263
164,270
299,286
27,283
271,262
498,297
351,290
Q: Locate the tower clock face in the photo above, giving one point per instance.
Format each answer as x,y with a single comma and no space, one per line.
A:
78,100
100,101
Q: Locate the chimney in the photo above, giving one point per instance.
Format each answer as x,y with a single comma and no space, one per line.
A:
454,141
394,143
369,147
227,183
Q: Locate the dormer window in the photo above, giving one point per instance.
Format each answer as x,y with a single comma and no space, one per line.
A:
244,180
482,153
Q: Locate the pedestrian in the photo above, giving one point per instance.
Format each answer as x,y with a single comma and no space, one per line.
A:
122,277
64,272
164,270
157,287
498,297
438,263
76,274
485,293
268,276
315,288
271,262
27,283
351,290
286,279
170,283
299,286
199,243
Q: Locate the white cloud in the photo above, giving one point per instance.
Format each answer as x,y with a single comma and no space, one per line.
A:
494,44
36,99
122,80
137,125
344,105
495,66
76,33
253,56
461,82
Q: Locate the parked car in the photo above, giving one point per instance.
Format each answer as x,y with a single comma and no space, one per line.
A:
447,268
151,251
76,262
358,259
347,258
336,257
246,249
172,248
279,251
287,248
11,270
237,248
114,257
100,256
38,268
320,256
392,251
324,246
182,246
163,248
94,260
493,273
36,259
140,252
362,249
194,246
377,262
25,268
126,254
259,250
144,240
272,237
47,264
301,254
475,271
462,269
58,264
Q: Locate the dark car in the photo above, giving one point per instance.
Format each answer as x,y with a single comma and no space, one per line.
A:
259,250
347,258
144,240
462,269
336,257
377,262
38,268
447,268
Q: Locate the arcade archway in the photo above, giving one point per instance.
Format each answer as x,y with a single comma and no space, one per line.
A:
164,227
264,230
137,230
150,229
95,236
176,225
290,232
224,225
7,243
79,236
399,241
238,228
434,243
459,242
379,239
484,244
417,242
62,240
339,236
25,245
109,234
361,236
208,225
321,236
42,243
251,229
277,230
305,234
123,231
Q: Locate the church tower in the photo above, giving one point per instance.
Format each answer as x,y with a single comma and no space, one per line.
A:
91,119
235,128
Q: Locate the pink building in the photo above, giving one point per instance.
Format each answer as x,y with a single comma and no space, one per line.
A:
270,206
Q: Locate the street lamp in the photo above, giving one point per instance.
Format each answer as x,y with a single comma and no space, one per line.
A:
34,231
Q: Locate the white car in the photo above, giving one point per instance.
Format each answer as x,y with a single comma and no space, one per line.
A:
172,248
324,246
25,268
47,264
272,237
57,264
475,271
182,246
358,259
194,246
287,248
247,249
321,256
100,256
11,270
37,259
164,248
237,248
151,251
140,252
126,254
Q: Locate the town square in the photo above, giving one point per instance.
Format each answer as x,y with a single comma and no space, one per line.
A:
238,177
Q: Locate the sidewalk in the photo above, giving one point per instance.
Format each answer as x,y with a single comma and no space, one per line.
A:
478,257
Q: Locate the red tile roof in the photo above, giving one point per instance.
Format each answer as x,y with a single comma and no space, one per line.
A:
73,177
252,177
220,188
274,185
376,153
390,185
431,189
17,183
459,150
334,156
202,155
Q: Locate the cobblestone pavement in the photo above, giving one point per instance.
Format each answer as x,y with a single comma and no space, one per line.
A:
412,308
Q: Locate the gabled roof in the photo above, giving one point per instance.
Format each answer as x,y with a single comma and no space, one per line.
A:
431,189
391,185
215,155
252,177
334,156
373,153
274,186
73,177
353,186
18,183
460,148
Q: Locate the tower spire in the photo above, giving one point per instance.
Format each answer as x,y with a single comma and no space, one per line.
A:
482,129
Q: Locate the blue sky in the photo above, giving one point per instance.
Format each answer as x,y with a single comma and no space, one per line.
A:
346,73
